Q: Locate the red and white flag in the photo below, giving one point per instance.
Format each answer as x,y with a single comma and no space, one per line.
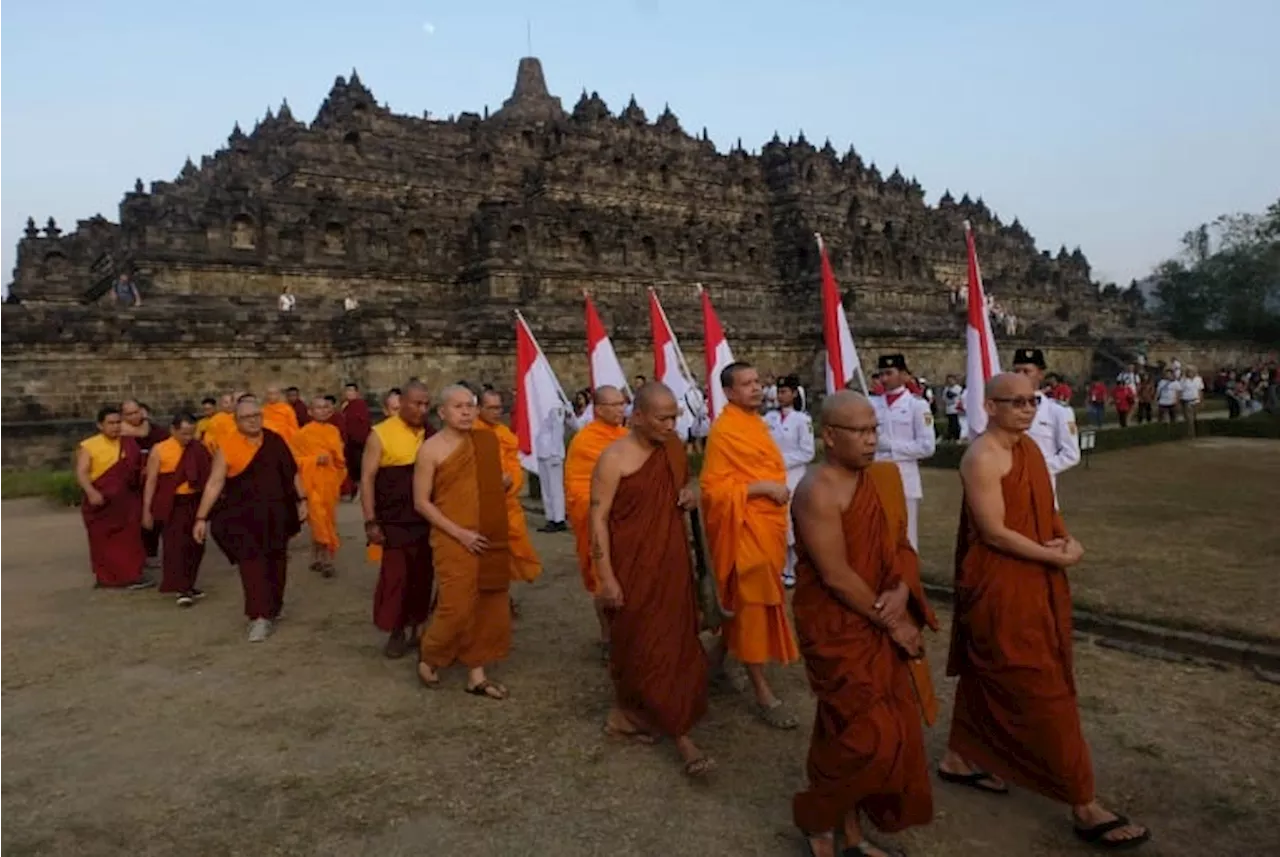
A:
982,362
539,398
842,354
601,358
716,350
669,366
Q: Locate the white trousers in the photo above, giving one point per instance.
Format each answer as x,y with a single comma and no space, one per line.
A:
551,478
913,522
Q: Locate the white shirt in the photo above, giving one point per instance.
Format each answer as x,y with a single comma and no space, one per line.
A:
1167,392
792,430
549,435
771,398
951,397
1054,431
1191,389
906,436
287,302
1129,379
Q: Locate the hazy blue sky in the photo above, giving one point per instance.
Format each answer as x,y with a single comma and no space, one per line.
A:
1113,125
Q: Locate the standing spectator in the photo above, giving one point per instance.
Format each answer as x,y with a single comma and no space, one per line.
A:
1124,398
1097,401
952,393
1237,399
1167,397
1060,389
1146,398
1129,377
1191,393
287,301
126,293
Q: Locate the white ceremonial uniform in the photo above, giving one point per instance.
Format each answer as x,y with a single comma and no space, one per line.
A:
697,404
549,441
906,436
792,430
1054,431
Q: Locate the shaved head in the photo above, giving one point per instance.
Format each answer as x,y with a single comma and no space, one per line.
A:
457,407
609,405
274,393
607,394
1008,384
849,430
414,399
321,409
653,395
653,418
1010,400
845,403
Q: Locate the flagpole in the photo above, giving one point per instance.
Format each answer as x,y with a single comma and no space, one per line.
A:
862,376
684,367
563,398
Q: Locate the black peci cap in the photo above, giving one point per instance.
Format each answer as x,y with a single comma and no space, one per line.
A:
892,361
1034,356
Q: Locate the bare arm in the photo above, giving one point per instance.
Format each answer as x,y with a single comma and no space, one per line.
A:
604,485
83,463
372,458
149,488
980,472
818,526
213,488
424,475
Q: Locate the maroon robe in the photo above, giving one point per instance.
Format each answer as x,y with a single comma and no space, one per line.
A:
151,537
301,411
357,422
402,598
115,528
254,520
175,517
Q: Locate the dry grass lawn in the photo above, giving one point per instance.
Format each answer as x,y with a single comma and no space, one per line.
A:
1179,533
133,728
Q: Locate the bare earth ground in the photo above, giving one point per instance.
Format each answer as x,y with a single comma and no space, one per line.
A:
131,727
1181,533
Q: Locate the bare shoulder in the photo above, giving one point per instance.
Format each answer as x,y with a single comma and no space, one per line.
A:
434,449
985,457
822,487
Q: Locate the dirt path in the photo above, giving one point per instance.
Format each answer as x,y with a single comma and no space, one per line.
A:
131,727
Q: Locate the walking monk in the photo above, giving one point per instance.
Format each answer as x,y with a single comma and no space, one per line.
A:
744,499
278,415
262,506
356,423
859,608
221,423
641,550
457,486
393,526
108,469
525,565
138,425
588,444
1016,715
317,447
177,471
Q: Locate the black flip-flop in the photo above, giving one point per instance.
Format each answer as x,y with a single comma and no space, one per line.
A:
973,780
483,688
1096,835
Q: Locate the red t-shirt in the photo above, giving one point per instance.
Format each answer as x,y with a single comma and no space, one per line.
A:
1123,396
1098,393
1062,392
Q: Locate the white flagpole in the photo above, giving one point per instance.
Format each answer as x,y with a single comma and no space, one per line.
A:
527,329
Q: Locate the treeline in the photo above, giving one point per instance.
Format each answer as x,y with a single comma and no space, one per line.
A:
1226,281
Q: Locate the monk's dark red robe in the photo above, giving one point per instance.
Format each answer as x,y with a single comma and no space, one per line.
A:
151,537
867,749
657,663
115,528
402,597
1015,710
357,423
255,518
175,517
301,411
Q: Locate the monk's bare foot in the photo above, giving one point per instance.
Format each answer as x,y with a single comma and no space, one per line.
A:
697,764
954,769
397,646
857,845
618,725
428,676
821,844
478,684
1098,826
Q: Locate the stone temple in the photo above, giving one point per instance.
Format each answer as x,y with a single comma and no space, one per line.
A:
442,228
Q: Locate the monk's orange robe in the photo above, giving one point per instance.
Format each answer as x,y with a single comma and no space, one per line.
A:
1015,710
472,619
525,565
656,660
747,536
867,749
584,451
313,443
280,418
202,426
220,425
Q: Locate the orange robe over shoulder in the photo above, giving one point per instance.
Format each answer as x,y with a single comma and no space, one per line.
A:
584,451
525,565
322,482
867,749
472,620
280,418
1015,710
220,425
747,537
656,660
